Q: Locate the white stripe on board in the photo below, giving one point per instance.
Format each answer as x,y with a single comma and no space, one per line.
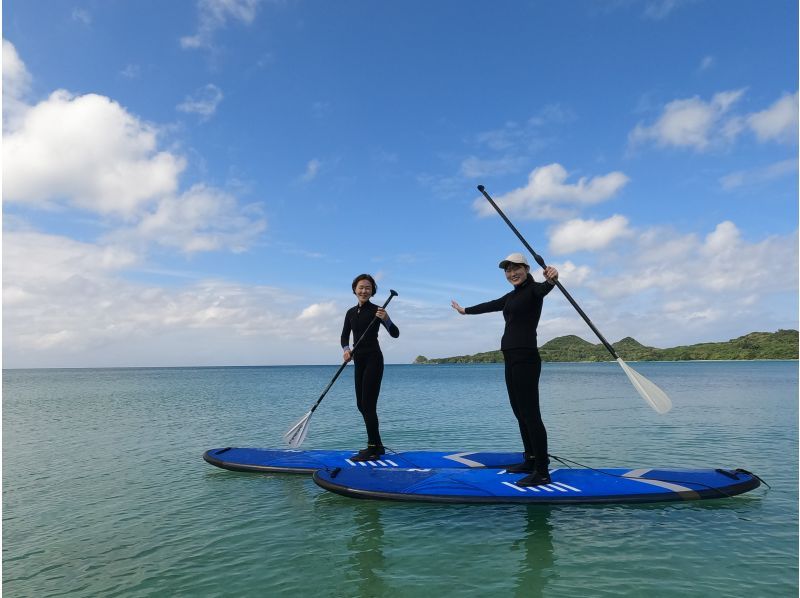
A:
382,464
459,458
634,475
567,486
350,462
392,463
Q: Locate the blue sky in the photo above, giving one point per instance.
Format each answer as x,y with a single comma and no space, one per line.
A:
197,183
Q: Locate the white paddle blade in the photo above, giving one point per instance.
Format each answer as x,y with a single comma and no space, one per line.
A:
651,393
297,433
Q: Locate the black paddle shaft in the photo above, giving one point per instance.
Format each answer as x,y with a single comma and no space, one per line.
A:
540,261
392,295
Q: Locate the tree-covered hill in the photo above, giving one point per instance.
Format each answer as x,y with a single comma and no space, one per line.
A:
782,344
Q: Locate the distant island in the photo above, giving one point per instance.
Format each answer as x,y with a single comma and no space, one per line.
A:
782,344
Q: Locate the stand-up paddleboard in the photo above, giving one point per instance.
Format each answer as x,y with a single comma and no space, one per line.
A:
299,461
567,486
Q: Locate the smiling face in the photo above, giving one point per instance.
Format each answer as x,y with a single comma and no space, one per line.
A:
363,291
516,274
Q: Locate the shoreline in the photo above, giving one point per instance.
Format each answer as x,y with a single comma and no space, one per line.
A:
325,365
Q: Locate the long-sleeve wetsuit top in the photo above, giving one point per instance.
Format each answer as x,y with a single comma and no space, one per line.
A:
521,309
357,319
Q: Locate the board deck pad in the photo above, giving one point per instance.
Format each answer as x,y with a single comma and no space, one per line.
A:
567,486
300,461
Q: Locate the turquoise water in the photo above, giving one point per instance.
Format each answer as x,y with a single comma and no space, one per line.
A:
105,492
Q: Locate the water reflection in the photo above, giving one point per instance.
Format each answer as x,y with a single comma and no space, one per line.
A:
537,566
365,552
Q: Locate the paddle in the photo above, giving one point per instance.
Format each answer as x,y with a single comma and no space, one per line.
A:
297,433
651,393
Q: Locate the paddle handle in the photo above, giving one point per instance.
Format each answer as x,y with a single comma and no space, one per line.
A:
540,261
392,295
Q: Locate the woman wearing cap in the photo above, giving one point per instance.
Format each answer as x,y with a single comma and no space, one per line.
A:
368,359
521,309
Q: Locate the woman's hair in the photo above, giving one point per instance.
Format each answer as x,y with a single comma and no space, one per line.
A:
365,277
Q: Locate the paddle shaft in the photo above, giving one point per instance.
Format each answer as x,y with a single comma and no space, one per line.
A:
540,261
392,294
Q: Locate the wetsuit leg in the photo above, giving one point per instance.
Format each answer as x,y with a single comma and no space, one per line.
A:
523,368
368,376
515,402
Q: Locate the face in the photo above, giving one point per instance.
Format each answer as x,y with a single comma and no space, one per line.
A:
516,274
363,291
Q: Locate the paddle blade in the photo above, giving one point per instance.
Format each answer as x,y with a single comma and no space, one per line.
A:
297,433
651,393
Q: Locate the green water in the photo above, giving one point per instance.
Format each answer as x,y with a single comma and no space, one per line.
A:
105,492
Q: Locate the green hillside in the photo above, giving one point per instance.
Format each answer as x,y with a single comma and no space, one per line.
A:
782,344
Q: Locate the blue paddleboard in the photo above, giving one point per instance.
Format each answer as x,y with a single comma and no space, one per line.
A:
299,461
567,486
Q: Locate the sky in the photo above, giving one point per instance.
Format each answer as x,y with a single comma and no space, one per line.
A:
197,182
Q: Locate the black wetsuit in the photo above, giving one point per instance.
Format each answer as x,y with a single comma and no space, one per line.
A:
368,360
521,309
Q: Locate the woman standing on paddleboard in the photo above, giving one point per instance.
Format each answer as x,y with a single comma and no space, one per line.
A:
368,359
521,309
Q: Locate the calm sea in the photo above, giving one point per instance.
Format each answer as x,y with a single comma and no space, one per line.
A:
105,492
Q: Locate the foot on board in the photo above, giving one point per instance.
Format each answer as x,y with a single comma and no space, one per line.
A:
371,453
527,466
537,478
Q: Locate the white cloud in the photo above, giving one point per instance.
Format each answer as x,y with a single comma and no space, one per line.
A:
317,311
201,219
204,101
87,151
691,123
214,15
721,268
660,9
706,63
548,195
82,16
312,169
572,274
131,71
578,235
16,85
778,122
755,176
473,167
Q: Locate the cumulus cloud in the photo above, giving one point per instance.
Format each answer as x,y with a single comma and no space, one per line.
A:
201,219
548,195
16,84
778,122
691,123
68,296
214,15
721,265
203,102
577,234
695,124
87,151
